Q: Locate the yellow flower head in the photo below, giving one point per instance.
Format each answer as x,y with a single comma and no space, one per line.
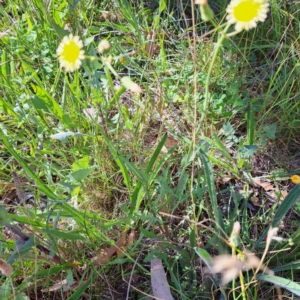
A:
295,179
246,13
69,53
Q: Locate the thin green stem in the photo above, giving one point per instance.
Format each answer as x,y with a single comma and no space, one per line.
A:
206,94
243,286
233,252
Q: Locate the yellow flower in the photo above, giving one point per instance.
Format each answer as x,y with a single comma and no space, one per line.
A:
295,179
70,53
246,13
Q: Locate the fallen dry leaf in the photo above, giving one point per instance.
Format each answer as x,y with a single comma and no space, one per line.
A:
159,283
119,248
19,188
171,142
62,285
131,238
5,268
267,186
122,247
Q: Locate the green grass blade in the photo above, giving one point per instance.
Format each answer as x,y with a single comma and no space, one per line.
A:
282,282
138,194
41,185
156,154
65,235
80,290
286,205
283,208
295,265
250,125
119,162
213,197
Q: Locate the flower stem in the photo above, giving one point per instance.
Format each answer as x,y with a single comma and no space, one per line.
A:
243,290
206,94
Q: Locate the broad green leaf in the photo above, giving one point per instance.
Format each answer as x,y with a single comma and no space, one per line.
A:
82,174
228,129
63,136
39,103
48,100
82,163
5,289
22,296
162,5
70,279
248,150
270,131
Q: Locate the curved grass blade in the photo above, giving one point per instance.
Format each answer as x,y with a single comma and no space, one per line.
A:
209,176
282,210
137,195
81,290
282,282
40,184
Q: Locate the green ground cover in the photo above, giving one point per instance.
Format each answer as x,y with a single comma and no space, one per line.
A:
166,164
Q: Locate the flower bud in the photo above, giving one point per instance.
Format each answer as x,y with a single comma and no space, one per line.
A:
130,85
206,12
103,46
235,235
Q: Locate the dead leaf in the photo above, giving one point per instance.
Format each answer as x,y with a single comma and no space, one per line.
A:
131,238
159,283
267,186
9,197
5,268
122,245
63,285
152,46
19,188
164,207
105,254
171,142
57,286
